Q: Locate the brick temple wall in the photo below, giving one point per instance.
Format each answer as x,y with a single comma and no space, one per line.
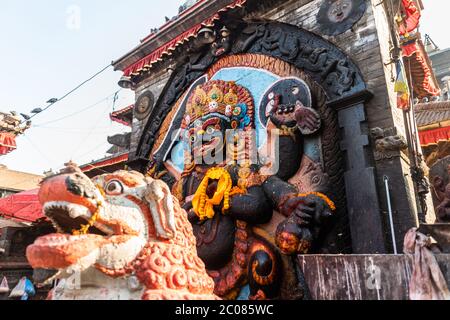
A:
369,45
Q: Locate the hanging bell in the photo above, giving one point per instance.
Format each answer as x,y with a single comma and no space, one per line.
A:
206,35
125,82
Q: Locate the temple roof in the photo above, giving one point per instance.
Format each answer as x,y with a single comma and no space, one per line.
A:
105,165
432,113
433,121
173,34
17,181
123,116
23,206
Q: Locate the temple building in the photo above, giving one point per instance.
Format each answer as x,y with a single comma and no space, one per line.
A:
440,59
21,222
352,67
12,181
290,133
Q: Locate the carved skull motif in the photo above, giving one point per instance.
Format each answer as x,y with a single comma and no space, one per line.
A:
340,10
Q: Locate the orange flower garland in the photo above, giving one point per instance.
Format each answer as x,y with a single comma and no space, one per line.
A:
322,196
85,228
204,206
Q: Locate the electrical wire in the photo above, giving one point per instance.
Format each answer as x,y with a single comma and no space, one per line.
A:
74,131
104,143
70,92
79,111
49,162
89,133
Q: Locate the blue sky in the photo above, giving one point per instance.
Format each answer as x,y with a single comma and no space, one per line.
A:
45,53
433,21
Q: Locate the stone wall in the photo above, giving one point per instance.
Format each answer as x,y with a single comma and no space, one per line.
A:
369,44
155,84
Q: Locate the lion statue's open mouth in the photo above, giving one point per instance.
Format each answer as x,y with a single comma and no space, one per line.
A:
114,228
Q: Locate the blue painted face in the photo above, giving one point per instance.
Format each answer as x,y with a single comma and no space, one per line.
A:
207,133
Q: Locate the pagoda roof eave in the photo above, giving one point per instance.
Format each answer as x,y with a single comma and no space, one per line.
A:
187,20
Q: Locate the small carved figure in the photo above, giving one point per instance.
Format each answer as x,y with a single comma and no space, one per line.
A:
391,143
388,144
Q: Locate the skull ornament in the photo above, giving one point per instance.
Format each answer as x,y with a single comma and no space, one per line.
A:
340,10
337,16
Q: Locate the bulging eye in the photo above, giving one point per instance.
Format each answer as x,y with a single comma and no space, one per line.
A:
315,180
193,138
114,187
210,130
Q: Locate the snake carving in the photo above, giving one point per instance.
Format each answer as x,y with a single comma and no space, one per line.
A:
120,236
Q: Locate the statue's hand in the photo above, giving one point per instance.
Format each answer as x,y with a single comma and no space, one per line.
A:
307,120
443,211
310,210
305,215
192,217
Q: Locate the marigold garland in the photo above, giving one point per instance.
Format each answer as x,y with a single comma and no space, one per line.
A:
322,196
85,228
204,206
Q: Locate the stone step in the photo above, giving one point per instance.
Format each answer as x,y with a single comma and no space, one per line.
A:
361,277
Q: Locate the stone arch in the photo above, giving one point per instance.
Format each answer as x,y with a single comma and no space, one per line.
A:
325,63
344,94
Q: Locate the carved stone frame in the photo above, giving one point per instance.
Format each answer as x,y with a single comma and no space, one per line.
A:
345,90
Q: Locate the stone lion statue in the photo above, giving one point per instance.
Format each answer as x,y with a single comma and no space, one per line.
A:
121,236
